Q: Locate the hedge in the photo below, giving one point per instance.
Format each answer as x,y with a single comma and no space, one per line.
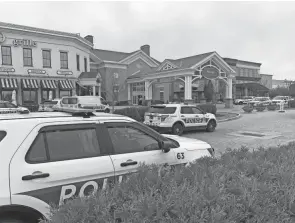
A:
241,186
210,108
131,112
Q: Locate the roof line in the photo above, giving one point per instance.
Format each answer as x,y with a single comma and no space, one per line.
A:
190,56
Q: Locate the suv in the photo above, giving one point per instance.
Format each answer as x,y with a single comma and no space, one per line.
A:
8,107
260,101
96,103
50,157
243,100
279,99
48,105
177,118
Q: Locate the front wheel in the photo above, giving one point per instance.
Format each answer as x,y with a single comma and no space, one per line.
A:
211,126
177,129
107,110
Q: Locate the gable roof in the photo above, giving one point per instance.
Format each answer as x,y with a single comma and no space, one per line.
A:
108,55
12,26
89,75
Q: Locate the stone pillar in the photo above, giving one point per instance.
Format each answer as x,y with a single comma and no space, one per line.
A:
129,94
229,92
146,90
99,90
94,90
188,89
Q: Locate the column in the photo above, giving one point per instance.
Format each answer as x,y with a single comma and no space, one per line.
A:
229,92
245,91
94,91
146,90
188,89
129,94
99,90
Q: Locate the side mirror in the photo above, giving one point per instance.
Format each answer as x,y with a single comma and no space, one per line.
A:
165,146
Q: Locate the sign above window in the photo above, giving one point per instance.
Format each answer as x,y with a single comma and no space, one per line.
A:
64,72
36,71
24,42
7,69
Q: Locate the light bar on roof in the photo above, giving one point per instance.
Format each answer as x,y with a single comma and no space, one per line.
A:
73,110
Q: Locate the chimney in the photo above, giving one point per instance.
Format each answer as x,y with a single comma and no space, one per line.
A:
146,49
89,38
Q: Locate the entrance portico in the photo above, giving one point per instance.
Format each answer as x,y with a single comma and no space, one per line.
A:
212,68
90,83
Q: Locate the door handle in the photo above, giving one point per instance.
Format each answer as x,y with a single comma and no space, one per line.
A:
35,176
129,163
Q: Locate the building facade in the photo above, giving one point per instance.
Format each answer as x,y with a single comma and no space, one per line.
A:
39,64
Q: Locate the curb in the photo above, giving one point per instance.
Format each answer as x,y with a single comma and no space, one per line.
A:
232,118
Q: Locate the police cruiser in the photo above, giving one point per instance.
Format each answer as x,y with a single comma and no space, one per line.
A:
177,118
8,107
50,157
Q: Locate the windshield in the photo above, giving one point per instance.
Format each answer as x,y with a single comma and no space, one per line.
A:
279,98
162,109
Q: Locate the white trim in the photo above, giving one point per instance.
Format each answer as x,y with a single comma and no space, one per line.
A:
50,34
165,63
135,73
139,55
246,66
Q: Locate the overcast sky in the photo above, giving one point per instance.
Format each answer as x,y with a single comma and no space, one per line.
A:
253,31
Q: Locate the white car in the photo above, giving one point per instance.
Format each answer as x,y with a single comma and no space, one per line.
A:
50,157
177,118
260,101
279,99
243,100
87,102
8,107
48,105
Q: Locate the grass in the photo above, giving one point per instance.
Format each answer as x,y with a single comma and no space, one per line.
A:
242,186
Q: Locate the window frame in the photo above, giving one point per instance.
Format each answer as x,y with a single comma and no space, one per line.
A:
78,62
43,58
67,60
69,127
186,113
30,50
3,46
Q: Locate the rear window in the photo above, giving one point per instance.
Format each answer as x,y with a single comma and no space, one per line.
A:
50,102
70,101
162,109
2,135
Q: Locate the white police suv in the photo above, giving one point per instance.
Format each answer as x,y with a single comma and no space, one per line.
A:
50,157
177,118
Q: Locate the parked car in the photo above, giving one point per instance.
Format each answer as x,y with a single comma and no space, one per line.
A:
8,107
243,100
96,103
177,118
278,99
51,157
48,105
260,101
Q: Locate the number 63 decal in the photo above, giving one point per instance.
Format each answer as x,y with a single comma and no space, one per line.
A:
180,156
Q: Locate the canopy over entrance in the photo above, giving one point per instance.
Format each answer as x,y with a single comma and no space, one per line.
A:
254,86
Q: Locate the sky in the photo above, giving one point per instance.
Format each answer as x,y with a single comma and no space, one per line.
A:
262,32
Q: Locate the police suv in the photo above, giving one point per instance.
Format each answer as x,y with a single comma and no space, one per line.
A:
177,118
50,157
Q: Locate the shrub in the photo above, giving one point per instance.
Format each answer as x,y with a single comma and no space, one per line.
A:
141,110
248,108
131,112
260,108
292,103
239,187
209,108
122,103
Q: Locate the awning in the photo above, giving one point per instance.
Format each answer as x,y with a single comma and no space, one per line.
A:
254,86
30,84
48,84
65,85
8,83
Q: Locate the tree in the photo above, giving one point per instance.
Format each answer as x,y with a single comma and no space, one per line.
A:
209,91
282,91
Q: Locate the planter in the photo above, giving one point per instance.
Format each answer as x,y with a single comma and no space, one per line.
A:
272,107
248,109
260,108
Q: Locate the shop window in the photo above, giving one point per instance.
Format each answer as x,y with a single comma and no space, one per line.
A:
46,94
64,93
78,62
30,96
46,54
6,55
6,95
63,60
28,59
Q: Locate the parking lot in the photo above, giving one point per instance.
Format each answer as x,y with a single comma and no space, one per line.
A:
268,128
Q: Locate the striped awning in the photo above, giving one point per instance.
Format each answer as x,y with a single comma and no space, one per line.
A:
48,84
30,84
65,84
8,83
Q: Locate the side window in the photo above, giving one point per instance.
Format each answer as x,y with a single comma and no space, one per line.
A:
72,144
197,111
186,110
10,105
126,139
37,152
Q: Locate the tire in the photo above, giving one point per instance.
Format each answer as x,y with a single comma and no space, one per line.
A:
240,103
177,129
12,220
211,126
107,110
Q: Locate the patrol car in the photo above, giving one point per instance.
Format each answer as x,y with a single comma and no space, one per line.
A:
50,157
8,107
177,118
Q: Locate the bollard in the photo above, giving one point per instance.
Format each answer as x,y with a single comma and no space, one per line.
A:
282,106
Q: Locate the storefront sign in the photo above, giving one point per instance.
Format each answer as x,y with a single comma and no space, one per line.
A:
24,42
36,71
64,72
2,38
210,73
7,69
